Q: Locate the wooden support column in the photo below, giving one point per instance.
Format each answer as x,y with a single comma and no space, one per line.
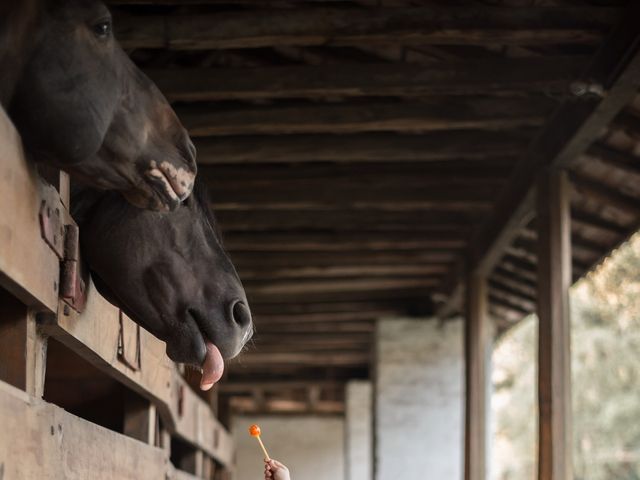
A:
554,348
477,359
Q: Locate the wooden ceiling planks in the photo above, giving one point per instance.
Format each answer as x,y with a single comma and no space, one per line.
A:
355,26
354,156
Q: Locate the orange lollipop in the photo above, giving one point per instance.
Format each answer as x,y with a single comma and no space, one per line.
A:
254,431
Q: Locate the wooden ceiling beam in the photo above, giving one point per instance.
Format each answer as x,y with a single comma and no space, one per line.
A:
356,26
606,195
286,310
346,316
434,115
385,173
329,359
318,242
340,271
303,286
471,77
569,133
357,257
311,195
409,293
615,71
372,147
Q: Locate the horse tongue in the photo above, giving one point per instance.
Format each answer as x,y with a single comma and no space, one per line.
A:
212,367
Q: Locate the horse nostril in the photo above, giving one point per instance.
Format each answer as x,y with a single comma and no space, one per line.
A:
241,315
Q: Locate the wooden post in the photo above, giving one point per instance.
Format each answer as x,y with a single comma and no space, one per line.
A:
23,348
140,418
554,348
477,359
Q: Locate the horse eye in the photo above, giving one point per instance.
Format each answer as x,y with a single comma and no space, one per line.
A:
102,29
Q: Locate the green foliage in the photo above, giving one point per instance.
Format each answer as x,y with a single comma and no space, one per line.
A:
606,379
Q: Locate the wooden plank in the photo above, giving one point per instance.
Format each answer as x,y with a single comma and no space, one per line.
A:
94,335
311,194
302,359
449,221
29,269
348,241
483,77
374,147
365,284
616,68
245,260
43,441
356,26
568,134
460,172
139,419
554,343
426,116
610,196
340,271
478,347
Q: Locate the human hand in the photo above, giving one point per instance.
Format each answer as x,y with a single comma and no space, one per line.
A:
274,470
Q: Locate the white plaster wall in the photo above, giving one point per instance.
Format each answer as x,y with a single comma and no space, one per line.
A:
419,400
312,447
359,430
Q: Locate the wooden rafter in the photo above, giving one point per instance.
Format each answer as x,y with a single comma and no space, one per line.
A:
609,83
486,76
357,26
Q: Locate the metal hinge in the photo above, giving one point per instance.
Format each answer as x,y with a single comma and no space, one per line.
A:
64,241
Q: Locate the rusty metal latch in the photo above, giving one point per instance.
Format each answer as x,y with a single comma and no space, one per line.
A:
64,241
126,344
72,283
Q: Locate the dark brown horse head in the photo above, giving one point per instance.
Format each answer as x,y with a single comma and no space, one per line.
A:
81,104
170,273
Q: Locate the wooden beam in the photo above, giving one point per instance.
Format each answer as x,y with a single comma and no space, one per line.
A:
594,189
624,161
246,260
554,345
336,307
433,227
341,241
301,287
387,173
478,346
318,195
29,268
484,77
343,271
67,446
356,26
374,147
95,336
316,328
426,116
301,359
568,134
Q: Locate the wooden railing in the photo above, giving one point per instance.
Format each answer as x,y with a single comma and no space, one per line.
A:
40,440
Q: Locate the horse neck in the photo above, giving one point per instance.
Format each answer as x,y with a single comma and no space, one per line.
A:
18,20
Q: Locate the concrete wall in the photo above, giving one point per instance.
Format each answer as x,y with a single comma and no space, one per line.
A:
312,447
419,400
359,430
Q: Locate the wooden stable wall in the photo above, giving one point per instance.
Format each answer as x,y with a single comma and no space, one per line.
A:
41,440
